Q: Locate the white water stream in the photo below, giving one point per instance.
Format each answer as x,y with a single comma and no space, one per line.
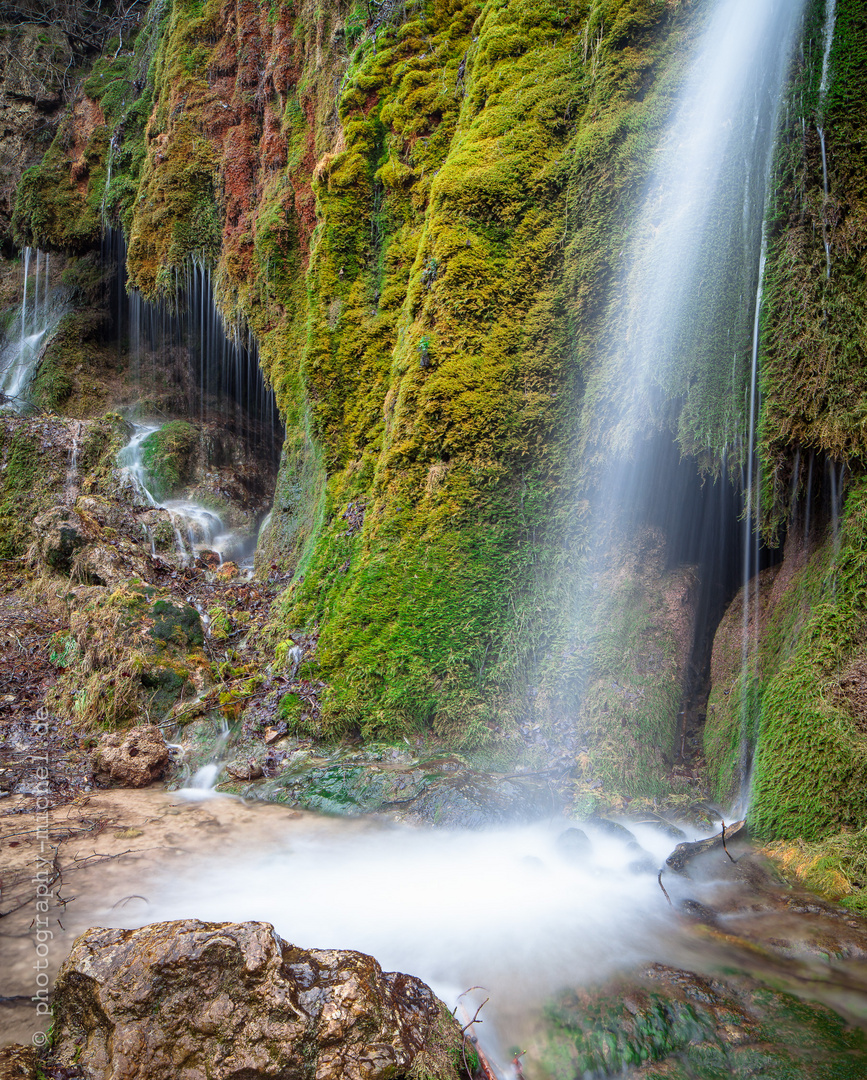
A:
503,909
42,308
197,527
828,33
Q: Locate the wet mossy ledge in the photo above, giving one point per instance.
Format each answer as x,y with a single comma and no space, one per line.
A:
800,707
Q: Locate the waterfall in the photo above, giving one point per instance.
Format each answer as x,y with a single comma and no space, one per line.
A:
42,307
752,491
185,363
828,36
683,338
215,368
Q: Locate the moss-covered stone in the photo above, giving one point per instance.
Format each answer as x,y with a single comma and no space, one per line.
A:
136,653
168,457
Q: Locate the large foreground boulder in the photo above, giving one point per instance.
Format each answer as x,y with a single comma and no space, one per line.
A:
188,1000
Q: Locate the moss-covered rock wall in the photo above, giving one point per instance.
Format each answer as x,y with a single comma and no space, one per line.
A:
799,700
420,210
419,215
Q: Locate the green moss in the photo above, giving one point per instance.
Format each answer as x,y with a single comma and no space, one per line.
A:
66,200
52,209
72,371
811,764
438,355
813,340
137,652
167,457
678,1025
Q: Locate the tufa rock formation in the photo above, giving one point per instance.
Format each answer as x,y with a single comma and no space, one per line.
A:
184,1000
134,759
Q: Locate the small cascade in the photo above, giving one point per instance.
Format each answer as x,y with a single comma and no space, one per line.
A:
828,33
42,307
203,782
197,527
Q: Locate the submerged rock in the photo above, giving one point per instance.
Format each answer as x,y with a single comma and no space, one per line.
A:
666,1022
135,758
188,999
684,853
574,845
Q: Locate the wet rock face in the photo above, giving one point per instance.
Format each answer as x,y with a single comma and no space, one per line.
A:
134,759
183,1000
60,533
33,61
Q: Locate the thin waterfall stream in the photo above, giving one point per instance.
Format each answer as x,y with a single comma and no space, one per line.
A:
828,35
43,305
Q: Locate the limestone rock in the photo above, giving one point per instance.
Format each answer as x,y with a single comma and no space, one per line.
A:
60,533
104,564
134,758
188,999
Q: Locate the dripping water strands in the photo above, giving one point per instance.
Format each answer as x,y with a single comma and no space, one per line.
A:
828,37
751,553
42,307
185,357
186,364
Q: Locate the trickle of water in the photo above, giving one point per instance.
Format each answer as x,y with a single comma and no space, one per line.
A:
203,783
830,19
41,310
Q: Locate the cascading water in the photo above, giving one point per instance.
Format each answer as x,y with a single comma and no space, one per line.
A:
828,34
42,307
185,364
184,352
682,343
196,527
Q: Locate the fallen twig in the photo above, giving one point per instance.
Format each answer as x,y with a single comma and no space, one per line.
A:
664,893
125,899
725,849
475,1019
